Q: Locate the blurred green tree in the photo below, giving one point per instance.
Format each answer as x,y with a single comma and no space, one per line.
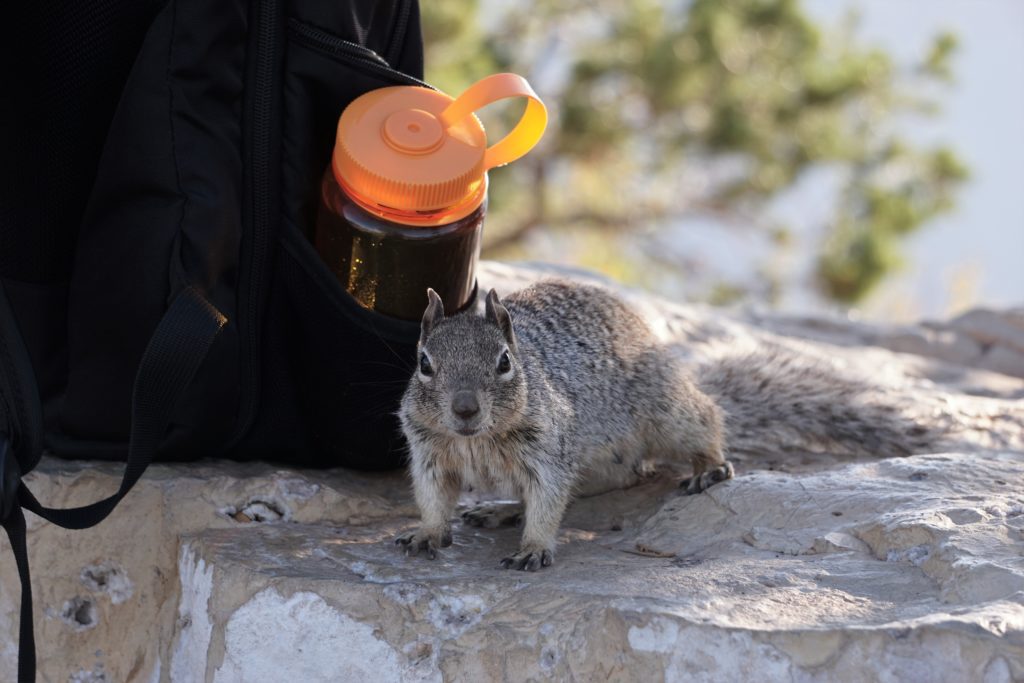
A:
667,110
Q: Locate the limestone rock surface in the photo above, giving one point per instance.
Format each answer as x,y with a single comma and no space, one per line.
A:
806,567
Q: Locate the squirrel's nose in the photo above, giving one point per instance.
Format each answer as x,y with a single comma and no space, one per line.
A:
464,404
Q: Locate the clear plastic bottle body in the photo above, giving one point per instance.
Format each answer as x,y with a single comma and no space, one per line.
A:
387,266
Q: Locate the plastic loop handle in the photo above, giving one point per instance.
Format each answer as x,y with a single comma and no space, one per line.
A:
526,133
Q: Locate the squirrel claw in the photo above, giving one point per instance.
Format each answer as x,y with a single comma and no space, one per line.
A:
702,482
411,543
526,560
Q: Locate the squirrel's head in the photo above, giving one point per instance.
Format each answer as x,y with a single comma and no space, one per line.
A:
468,380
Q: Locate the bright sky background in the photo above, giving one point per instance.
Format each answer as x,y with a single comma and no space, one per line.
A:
981,242
972,256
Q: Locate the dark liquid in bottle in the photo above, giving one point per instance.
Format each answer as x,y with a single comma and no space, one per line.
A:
387,266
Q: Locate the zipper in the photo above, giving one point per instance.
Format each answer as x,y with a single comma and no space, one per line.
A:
357,55
260,224
394,50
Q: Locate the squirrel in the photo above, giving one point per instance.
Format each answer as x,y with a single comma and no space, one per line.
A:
562,390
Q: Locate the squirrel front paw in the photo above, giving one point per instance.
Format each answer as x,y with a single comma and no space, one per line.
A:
415,541
529,559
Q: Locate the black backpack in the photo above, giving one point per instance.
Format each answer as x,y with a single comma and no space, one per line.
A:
159,295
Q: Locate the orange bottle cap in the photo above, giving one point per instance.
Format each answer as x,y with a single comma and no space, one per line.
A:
418,157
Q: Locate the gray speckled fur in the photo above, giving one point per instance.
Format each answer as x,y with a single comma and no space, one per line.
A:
777,401
590,396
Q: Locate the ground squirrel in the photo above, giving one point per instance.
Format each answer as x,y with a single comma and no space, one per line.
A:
562,390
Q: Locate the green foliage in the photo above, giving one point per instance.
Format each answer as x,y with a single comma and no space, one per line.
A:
889,197
662,111
936,63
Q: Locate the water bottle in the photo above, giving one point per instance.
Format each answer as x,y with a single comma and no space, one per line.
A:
403,202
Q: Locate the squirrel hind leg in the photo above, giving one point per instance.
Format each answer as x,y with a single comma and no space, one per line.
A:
697,435
709,468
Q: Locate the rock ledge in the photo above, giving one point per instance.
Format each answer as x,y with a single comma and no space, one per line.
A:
803,568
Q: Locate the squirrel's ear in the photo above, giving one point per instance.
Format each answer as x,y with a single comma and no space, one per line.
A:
498,314
432,316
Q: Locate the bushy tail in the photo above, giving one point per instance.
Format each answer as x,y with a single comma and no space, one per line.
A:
780,402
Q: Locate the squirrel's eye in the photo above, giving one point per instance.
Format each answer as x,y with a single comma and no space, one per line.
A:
504,363
425,367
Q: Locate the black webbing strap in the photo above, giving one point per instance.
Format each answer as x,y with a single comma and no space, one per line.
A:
172,357
14,525
178,346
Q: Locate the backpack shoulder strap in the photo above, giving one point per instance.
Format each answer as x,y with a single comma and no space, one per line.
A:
176,350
